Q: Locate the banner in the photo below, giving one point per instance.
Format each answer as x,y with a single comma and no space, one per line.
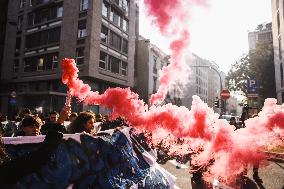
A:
83,161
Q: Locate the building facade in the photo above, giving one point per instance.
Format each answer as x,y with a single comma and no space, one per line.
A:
203,81
99,34
150,59
262,34
278,37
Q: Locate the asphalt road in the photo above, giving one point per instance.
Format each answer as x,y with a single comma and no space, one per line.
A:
270,177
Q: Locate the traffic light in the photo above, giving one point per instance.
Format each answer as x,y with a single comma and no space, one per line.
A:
216,103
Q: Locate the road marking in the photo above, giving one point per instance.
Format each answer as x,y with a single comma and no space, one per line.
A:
182,166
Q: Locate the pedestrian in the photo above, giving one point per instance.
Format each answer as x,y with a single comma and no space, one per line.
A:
30,126
54,117
73,116
83,123
233,121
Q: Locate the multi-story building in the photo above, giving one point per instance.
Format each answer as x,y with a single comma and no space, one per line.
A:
3,21
150,59
278,36
99,34
204,81
262,34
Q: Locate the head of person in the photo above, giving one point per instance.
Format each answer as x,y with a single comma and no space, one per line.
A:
99,118
53,116
26,112
73,116
84,122
233,120
31,126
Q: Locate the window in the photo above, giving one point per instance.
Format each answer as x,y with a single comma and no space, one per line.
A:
30,19
114,64
154,84
125,5
278,23
59,11
115,18
30,64
105,8
51,61
103,60
54,61
115,40
80,55
44,37
40,64
84,5
125,46
280,48
125,25
37,2
33,40
18,44
22,3
281,74
104,34
123,68
20,23
155,64
44,15
54,35
16,65
82,31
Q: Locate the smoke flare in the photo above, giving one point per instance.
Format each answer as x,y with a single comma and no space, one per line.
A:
172,18
202,132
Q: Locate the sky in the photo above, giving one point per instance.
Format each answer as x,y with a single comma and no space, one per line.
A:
218,32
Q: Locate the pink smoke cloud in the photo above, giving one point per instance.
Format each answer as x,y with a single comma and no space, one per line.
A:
202,131
172,17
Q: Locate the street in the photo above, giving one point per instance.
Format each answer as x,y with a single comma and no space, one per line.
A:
271,177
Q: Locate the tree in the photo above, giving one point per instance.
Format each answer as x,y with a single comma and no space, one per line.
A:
257,64
239,74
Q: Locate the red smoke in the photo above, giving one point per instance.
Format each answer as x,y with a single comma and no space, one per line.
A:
171,17
232,151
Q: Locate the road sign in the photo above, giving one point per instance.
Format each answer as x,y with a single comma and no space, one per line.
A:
225,94
252,88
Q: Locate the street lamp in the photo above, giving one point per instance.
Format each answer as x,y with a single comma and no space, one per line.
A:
212,68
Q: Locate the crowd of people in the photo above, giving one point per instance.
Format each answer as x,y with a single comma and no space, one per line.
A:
27,123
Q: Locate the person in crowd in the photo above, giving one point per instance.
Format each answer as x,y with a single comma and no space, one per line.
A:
233,121
99,118
30,126
83,123
107,123
99,122
73,116
55,118
25,112
11,128
11,171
